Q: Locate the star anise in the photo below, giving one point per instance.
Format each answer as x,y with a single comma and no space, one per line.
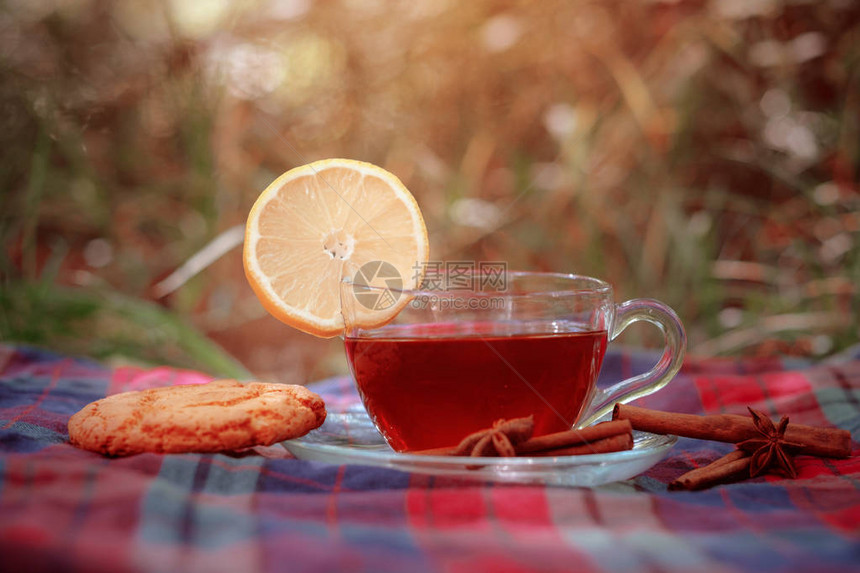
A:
772,450
500,440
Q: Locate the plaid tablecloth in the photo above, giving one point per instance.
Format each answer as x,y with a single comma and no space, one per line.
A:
63,509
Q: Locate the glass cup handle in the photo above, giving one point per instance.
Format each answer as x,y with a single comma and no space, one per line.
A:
667,366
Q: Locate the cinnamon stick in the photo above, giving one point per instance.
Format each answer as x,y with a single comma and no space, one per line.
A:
500,440
551,444
571,438
616,443
724,470
827,442
443,451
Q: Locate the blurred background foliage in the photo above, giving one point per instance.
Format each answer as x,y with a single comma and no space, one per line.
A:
706,153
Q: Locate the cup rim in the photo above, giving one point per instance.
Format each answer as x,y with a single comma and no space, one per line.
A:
599,287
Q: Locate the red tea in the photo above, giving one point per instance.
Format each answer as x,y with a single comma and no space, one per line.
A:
430,389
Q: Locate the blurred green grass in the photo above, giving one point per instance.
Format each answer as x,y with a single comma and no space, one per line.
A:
703,153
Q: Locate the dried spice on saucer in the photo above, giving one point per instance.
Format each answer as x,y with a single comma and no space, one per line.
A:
509,438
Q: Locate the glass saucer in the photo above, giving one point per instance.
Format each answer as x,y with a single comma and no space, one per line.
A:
351,438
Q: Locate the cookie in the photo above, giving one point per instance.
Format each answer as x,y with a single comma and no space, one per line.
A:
218,416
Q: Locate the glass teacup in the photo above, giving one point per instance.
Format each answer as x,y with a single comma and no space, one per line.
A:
462,352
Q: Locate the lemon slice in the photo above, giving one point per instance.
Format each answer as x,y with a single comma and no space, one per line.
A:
320,223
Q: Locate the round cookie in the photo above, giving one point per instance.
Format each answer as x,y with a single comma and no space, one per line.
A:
218,416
